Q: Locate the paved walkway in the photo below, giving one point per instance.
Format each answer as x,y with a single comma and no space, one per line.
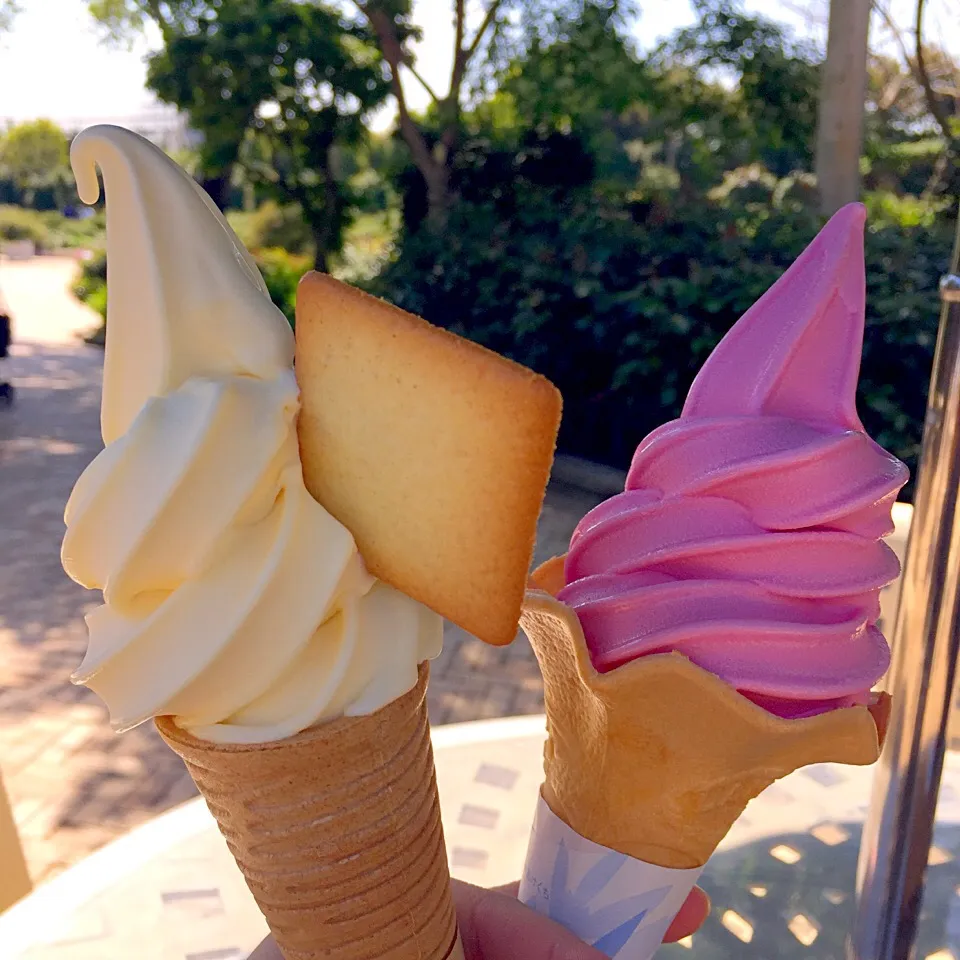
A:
781,882
74,784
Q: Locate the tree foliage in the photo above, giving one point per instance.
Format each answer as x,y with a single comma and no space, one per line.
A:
770,107
585,78
34,161
477,56
122,20
620,303
280,85
433,146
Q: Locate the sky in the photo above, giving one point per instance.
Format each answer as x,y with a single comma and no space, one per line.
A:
53,64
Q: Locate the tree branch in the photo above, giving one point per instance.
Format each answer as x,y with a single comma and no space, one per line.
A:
459,62
895,30
933,104
936,176
488,19
423,83
888,96
394,54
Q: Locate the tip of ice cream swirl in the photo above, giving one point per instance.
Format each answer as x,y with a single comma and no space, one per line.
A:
749,535
232,600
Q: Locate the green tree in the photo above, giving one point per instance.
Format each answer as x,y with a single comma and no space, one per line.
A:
477,58
775,80
123,19
281,86
34,157
580,79
583,78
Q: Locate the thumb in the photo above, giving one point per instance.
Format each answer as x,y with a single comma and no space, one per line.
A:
495,926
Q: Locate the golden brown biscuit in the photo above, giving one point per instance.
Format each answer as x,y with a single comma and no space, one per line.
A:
433,451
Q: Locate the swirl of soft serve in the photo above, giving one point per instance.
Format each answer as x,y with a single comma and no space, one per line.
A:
232,600
749,535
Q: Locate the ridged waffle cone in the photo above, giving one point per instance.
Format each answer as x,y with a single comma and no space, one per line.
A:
337,831
657,758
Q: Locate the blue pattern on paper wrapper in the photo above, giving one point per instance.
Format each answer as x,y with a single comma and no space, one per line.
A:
616,903
607,927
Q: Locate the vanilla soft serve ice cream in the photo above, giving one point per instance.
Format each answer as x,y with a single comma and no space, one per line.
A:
233,601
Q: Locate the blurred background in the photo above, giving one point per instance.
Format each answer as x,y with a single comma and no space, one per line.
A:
596,188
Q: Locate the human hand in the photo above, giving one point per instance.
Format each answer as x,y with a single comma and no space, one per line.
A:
494,925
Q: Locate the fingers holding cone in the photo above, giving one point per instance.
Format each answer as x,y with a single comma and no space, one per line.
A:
494,925
689,919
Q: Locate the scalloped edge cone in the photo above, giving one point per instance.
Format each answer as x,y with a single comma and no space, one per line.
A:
657,758
337,832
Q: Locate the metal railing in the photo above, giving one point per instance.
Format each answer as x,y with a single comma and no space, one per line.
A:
926,643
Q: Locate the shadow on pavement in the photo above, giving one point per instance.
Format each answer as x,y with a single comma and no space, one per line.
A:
766,906
74,783
46,440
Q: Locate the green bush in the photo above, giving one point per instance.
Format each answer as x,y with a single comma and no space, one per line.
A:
51,230
271,226
282,272
91,286
886,208
367,245
73,233
620,304
18,223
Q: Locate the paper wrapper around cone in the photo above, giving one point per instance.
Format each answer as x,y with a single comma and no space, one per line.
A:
337,831
657,758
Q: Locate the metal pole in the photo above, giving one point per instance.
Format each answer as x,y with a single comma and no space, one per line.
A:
926,642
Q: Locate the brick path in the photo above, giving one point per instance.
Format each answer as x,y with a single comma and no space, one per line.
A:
75,785
472,680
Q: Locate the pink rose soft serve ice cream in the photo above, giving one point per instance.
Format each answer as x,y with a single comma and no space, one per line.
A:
749,535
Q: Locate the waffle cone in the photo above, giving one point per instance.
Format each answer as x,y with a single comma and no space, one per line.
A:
657,758
337,831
